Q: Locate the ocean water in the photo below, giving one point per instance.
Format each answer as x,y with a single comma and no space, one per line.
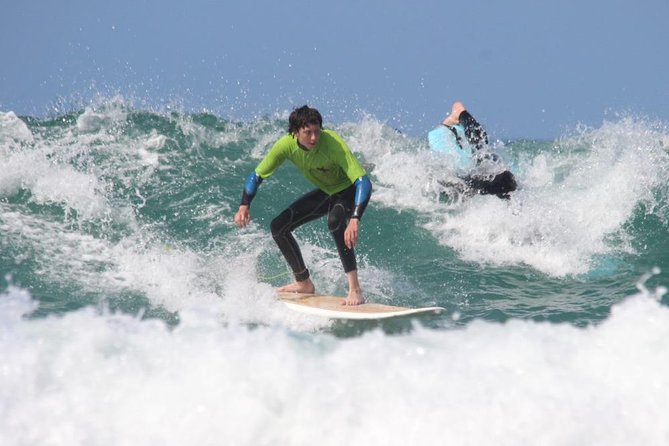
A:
133,311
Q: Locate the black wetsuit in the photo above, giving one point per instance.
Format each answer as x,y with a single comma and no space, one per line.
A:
502,183
475,133
312,205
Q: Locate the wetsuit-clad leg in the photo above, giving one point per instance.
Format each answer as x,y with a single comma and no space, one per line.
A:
309,207
502,183
341,208
475,133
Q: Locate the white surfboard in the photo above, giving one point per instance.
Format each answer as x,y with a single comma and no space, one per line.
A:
331,307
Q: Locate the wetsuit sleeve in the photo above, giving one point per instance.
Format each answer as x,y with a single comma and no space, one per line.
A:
363,192
250,188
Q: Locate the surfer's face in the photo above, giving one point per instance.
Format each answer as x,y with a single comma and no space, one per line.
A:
308,136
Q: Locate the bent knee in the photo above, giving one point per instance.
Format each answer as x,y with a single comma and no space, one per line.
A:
336,217
281,223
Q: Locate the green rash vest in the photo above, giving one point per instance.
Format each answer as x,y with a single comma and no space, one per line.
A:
330,165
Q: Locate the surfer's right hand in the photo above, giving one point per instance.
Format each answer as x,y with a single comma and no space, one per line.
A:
243,216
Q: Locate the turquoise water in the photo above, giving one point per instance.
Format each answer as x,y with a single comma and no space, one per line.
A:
129,295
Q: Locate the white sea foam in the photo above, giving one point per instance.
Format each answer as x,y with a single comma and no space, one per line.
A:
110,114
91,378
13,131
55,166
51,182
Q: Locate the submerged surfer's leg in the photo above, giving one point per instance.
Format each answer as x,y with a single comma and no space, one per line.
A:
500,185
475,133
305,209
338,217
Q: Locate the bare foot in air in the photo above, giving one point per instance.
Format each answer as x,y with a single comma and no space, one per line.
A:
454,117
354,298
305,286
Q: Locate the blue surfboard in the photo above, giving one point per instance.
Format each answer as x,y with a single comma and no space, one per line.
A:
452,142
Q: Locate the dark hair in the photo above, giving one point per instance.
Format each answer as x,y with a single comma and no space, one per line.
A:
302,117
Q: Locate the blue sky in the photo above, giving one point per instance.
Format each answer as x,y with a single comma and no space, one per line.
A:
525,68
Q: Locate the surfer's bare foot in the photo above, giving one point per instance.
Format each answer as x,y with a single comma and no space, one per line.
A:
354,298
305,286
454,117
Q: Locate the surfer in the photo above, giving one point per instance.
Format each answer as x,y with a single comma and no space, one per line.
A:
342,193
479,180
